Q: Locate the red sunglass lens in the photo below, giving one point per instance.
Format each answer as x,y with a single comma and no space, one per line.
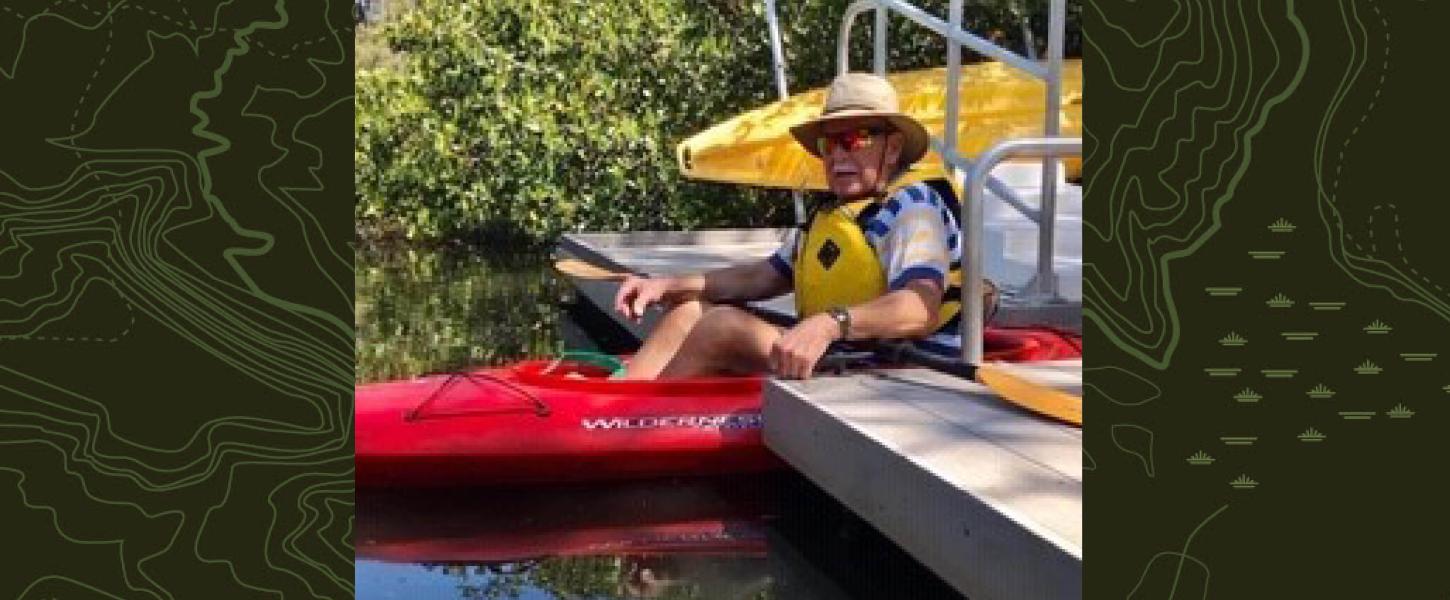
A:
851,141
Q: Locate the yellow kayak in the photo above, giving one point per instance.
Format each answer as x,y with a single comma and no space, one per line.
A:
997,102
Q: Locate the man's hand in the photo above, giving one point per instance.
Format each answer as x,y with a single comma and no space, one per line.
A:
795,354
637,293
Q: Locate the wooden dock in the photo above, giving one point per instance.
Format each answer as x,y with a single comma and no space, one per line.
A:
984,494
669,253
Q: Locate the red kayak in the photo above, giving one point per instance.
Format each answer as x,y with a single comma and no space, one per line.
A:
563,421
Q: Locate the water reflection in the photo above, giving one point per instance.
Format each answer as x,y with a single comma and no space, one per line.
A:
662,539
750,538
423,310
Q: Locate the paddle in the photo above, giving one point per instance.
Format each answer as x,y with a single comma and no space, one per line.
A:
1043,400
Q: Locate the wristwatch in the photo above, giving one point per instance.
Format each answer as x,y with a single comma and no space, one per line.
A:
842,318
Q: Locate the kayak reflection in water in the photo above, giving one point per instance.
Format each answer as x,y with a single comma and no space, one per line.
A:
655,576
881,260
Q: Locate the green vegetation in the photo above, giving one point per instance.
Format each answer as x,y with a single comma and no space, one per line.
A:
1200,458
519,119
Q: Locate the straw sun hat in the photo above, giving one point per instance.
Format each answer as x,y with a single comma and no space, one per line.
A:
854,95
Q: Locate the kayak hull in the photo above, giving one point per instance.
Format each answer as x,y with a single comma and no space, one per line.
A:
552,422
483,429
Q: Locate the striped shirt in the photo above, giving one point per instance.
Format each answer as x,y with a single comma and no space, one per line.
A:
915,236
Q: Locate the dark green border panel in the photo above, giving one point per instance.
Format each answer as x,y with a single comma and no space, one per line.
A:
176,299
1268,300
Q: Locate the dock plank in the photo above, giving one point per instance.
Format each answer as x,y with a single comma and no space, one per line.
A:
985,495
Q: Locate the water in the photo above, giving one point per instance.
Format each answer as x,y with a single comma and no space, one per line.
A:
756,538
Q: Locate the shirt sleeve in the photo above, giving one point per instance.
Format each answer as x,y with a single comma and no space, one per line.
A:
916,245
784,257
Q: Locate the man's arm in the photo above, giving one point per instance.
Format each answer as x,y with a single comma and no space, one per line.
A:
752,281
907,313
742,283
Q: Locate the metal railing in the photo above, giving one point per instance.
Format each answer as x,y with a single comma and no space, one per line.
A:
1050,72
972,218
777,60
975,177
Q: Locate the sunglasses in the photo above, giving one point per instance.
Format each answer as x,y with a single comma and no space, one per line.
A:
850,140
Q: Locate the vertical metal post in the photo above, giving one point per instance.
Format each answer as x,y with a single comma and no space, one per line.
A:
777,58
1028,41
971,203
879,39
1046,278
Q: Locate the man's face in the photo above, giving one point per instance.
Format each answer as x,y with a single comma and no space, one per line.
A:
858,154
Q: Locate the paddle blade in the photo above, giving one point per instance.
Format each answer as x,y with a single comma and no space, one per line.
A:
574,267
1040,399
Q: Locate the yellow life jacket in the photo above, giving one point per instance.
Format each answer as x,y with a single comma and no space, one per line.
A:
835,265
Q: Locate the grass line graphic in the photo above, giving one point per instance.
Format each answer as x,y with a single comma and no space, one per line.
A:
1368,368
1281,225
1279,300
1226,291
1267,254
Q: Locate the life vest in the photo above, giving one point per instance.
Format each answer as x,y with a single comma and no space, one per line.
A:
835,265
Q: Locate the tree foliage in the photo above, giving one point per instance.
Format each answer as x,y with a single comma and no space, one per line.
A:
520,119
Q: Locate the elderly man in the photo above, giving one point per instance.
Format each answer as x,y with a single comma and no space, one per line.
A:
881,261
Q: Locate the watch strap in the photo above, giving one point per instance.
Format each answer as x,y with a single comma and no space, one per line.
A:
842,318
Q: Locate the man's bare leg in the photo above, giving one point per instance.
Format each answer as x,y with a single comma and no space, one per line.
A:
725,340
664,340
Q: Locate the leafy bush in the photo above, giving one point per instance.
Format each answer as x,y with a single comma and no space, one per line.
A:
519,119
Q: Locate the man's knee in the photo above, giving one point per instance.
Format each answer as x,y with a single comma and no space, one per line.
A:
726,339
725,320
